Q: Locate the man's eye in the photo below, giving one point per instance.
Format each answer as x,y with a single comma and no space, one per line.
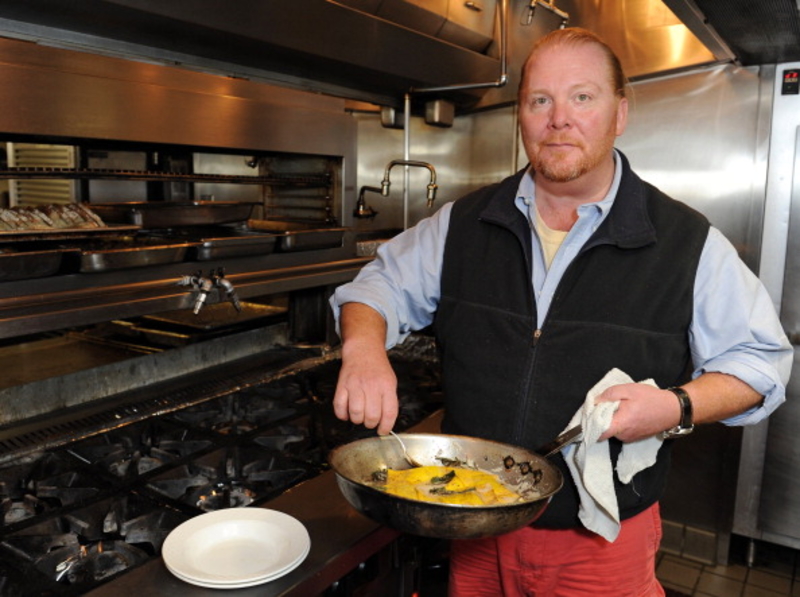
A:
583,97
539,101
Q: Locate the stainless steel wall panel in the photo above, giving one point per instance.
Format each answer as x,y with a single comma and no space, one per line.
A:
778,505
702,137
478,149
768,490
698,137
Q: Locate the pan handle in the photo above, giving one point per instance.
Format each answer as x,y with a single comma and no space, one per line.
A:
571,435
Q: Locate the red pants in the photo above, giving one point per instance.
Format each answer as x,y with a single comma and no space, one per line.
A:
534,562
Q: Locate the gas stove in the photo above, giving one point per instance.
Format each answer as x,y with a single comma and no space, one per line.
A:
81,514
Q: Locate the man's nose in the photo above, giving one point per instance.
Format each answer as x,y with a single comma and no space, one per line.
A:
559,115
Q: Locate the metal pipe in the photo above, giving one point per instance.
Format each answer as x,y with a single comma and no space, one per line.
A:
548,5
500,82
406,156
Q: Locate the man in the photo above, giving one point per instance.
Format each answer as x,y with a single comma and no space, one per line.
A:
540,285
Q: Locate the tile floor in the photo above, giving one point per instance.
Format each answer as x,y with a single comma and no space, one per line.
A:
775,573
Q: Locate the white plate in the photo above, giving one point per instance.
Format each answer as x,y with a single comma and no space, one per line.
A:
237,546
240,585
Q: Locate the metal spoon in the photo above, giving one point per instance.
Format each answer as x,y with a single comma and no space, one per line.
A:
408,458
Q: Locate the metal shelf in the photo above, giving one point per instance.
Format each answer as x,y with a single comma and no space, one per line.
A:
67,301
295,180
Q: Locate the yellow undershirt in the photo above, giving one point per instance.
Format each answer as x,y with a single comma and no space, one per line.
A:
551,239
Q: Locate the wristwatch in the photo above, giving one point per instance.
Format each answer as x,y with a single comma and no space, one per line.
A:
686,425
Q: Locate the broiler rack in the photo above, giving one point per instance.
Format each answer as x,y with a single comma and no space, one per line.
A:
296,180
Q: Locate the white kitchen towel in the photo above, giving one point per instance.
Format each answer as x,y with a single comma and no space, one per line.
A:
589,461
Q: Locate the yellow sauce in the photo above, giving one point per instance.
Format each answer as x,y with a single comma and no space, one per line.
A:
448,485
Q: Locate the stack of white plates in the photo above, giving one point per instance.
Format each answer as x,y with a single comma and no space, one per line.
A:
236,548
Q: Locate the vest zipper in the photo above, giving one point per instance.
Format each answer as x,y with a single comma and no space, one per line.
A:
537,333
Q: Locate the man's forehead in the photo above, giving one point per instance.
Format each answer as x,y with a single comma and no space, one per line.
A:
585,62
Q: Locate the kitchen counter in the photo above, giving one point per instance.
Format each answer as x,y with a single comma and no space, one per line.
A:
341,539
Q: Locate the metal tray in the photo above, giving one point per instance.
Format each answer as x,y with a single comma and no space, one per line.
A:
23,265
111,231
166,214
129,253
222,242
308,240
216,317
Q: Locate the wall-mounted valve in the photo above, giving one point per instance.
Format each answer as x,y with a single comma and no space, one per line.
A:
220,281
362,210
204,285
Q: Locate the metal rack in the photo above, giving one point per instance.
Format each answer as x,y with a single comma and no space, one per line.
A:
296,180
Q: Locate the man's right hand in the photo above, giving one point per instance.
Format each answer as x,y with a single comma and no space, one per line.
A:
367,388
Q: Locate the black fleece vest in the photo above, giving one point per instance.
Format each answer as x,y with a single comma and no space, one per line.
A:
626,301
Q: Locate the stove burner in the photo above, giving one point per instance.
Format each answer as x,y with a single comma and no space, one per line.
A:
241,413
78,564
132,451
285,438
220,496
95,542
40,483
229,478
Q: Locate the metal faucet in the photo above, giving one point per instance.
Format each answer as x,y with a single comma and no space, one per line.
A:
385,183
221,281
204,285
363,210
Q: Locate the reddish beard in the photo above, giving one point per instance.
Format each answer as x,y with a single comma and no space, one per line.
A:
558,165
563,165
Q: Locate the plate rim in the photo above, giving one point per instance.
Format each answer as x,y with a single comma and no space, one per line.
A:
173,548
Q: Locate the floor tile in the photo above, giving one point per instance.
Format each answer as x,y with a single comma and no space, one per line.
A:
719,586
767,580
753,591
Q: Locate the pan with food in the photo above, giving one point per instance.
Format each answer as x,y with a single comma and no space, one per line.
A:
519,484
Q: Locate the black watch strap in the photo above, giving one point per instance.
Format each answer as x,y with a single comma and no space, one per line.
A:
686,424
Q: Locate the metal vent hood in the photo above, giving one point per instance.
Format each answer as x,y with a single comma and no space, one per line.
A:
377,50
755,31
318,45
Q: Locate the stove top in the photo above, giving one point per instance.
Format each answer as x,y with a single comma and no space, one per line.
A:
82,514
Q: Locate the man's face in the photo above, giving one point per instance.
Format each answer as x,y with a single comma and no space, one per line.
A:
569,112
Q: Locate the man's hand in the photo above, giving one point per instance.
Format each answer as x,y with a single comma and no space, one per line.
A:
645,411
367,388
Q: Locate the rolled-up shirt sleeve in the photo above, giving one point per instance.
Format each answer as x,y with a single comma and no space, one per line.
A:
402,283
735,329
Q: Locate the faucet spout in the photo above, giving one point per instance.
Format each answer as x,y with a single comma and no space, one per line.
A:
431,192
362,210
221,282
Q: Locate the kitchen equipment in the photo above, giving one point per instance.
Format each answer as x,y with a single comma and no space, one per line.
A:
532,476
127,252
220,242
96,502
166,214
20,264
295,237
